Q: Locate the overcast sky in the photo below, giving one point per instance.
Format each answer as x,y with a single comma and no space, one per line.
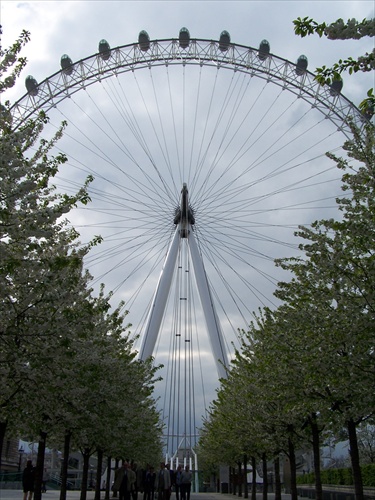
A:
75,28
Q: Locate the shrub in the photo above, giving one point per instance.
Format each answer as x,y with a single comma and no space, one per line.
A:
341,476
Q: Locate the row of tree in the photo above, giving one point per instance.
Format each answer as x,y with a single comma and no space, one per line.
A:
68,371
306,371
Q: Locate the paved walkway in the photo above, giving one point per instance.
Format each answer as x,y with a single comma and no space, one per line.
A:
75,495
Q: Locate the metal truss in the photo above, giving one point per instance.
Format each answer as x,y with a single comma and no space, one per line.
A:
54,89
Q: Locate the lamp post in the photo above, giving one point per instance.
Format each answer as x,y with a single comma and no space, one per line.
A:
21,451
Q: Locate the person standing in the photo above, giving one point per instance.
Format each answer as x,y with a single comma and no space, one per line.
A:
163,482
171,474
138,485
124,481
44,481
28,481
149,484
186,477
177,481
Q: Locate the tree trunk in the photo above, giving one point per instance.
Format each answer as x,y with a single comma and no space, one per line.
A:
64,465
265,478
254,479
277,478
108,479
293,471
354,457
246,486
316,453
3,428
85,473
98,474
116,467
239,479
40,466
232,474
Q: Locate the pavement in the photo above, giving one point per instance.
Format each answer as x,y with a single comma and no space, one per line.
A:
75,495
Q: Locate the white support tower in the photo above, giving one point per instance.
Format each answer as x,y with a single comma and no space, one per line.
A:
184,221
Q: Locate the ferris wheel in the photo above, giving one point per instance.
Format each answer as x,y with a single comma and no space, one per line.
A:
206,155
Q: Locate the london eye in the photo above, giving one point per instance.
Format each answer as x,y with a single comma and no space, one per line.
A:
206,157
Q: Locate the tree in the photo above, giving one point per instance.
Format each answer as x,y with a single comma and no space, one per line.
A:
40,257
366,443
338,278
309,364
65,363
339,30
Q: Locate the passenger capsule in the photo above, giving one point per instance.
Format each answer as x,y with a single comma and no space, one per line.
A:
224,41
368,113
301,65
336,87
104,50
184,38
66,64
264,50
31,85
144,40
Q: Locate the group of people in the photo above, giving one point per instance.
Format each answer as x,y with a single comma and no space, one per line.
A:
129,481
167,479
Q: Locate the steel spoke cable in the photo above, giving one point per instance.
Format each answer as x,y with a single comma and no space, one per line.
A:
238,154
201,376
226,103
276,120
183,139
209,118
277,170
171,371
245,234
148,204
164,148
132,245
143,144
191,177
236,297
234,242
201,149
131,120
236,207
256,127
153,162
236,189
221,250
93,171
148,254
121,104
140,325
172,111
150,180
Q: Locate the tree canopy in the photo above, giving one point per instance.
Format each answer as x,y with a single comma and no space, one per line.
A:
67,365
339,30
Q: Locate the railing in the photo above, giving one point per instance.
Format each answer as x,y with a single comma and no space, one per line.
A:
13,481
335,492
